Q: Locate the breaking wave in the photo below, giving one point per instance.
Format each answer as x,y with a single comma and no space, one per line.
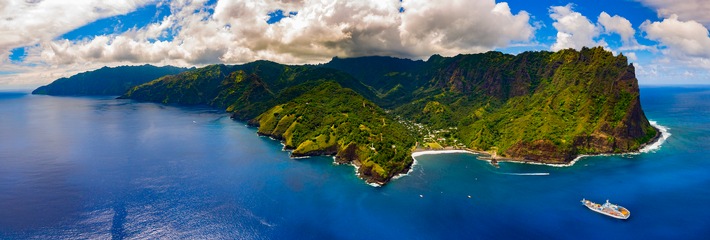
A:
657,144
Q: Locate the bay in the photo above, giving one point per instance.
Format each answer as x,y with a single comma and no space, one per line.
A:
102,168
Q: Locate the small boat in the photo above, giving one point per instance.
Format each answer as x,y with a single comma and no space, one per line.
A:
609,209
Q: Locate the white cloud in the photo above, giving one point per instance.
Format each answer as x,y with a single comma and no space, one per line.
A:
618,25
696,10
631,56
237,32
684,52
574,30
682,39
684,45
663,72
462,26
25,23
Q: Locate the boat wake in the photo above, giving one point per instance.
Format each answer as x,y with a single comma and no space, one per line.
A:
526,174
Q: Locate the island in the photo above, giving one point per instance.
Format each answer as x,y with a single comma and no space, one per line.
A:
373,112
106,81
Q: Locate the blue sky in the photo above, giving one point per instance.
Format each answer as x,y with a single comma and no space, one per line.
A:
667,40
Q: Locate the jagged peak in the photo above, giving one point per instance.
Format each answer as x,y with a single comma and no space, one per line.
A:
435,57
337,59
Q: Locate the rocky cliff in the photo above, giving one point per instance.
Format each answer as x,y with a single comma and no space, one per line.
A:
535,106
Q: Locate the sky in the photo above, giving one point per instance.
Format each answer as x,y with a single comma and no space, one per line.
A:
42,40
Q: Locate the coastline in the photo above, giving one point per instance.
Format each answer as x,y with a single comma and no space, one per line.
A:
420,152
663,135
355,164
653,145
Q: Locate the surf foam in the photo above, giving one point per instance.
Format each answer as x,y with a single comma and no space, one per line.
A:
657,145
411,169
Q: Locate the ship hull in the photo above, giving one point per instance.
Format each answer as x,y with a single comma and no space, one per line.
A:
619,213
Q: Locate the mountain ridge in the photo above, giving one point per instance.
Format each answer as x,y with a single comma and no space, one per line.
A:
110,81
546,107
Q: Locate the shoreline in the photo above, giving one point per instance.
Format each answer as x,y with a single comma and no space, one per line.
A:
421,152
355,164
654,144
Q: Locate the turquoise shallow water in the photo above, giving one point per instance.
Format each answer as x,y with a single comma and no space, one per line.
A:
74,167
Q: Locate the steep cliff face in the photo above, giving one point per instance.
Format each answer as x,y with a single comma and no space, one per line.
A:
546,107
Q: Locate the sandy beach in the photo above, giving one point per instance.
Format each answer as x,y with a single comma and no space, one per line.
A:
652,146
417,153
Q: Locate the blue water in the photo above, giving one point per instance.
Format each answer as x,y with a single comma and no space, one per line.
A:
102,168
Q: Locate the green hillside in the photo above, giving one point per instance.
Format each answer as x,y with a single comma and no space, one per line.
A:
546,107
106,81
535,106
331,120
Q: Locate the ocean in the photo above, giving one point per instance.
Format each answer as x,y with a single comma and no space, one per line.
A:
102,168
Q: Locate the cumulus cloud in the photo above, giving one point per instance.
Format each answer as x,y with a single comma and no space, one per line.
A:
25,23
574,30
686,10
631,56
618,25
685,48
462,26
682,39
236,31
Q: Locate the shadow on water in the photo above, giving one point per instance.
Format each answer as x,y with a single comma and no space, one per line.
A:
118,221
11,95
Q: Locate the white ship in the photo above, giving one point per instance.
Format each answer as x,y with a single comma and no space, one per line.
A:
609,209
